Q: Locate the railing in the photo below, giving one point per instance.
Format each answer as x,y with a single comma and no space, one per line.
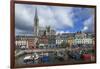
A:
47,50
38,50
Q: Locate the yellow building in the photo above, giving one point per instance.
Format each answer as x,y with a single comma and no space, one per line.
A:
70,40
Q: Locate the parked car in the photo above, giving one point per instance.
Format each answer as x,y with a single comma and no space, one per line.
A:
23,47
41,46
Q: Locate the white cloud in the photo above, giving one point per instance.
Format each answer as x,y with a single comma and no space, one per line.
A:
55,16
64,15
46,16
89,24
85,28
60,32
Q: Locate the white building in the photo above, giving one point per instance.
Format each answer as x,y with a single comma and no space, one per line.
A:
82,38
83,41
21,41
58,39
25,41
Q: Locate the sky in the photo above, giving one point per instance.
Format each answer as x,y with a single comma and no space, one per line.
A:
62,19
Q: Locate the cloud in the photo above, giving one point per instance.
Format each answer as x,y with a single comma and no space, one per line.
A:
23,17
81,14
57,17
60,32
83,19
64,16
89,25
62,19
85,28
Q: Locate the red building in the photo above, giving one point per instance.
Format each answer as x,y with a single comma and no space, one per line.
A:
43,39
31,44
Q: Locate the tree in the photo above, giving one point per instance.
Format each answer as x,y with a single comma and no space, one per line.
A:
48,29
67,45
44,33
63,44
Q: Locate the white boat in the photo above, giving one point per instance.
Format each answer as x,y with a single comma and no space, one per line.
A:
28,59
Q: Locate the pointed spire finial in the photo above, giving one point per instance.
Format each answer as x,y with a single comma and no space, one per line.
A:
36,22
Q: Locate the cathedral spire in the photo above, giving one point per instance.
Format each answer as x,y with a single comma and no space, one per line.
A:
36,15
36,23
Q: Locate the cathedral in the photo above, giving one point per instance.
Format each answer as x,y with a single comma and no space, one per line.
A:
38,33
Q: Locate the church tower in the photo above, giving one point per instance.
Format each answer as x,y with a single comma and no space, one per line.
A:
36,23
